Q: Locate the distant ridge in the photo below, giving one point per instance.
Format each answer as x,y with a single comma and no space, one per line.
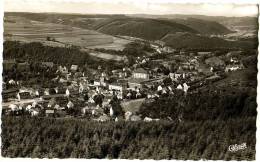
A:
197,30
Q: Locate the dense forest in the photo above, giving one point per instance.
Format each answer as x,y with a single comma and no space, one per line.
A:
35,52
75,138
211,104
193,42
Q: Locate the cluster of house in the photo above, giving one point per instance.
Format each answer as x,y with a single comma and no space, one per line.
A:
92,95
73,90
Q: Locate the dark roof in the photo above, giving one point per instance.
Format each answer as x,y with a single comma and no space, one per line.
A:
140,70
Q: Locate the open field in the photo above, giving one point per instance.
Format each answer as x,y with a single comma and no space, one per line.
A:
133,105
117,44
106,56
22,29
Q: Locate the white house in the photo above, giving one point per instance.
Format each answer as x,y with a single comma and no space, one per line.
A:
111,111
117,87
67,93
159,88
70,105
74,67
34,113
18,97
185,87
46,92
179,87
140,73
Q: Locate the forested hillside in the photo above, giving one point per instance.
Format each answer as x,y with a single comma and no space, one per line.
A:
203,26
211,104
74,138
193,41
249,22
37,53
150,29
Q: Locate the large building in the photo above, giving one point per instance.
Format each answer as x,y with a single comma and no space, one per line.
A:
140,73
117,86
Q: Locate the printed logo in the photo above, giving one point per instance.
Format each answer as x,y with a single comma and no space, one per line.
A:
236,147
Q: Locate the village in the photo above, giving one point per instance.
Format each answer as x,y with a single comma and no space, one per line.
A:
113,95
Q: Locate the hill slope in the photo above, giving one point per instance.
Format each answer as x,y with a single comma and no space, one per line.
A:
249,22
203,26
147,28
150,29
193,41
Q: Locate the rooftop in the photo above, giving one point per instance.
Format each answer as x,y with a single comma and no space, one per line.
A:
140,70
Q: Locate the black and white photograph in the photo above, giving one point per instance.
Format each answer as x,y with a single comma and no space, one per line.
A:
129,79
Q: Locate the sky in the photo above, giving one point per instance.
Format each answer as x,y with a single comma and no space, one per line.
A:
155,7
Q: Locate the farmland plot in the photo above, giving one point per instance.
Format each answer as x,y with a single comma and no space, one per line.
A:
22,29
